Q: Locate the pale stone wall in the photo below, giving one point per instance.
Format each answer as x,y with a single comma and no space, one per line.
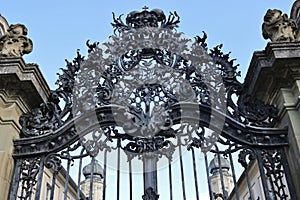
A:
22,87
10,109
256,184
59,190
59,186
274,77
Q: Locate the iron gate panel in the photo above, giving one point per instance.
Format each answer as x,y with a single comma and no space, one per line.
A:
142,114
179,177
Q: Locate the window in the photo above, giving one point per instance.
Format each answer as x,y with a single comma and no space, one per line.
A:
48,191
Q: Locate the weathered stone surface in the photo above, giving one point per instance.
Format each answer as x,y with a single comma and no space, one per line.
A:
278,26
24,80
15,42
22,87
4,25
295,15
272,69
274,77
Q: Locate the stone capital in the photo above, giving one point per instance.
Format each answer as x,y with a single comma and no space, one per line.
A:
23,80
274,77
278,66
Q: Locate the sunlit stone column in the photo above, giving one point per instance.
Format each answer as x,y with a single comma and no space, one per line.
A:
274,77
22,87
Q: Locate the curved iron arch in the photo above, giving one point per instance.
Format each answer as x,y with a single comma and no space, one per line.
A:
251,136
247,120
54,126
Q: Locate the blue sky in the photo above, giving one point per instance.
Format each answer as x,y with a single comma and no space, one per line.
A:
59,28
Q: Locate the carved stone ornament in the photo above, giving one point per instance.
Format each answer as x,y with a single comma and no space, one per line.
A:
278,27
15,42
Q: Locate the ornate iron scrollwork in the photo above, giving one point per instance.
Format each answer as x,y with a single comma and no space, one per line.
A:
51,115
272,162
28,178
150,109
53,161
244,154
147,98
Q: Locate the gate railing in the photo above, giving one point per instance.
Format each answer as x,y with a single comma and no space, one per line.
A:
151,114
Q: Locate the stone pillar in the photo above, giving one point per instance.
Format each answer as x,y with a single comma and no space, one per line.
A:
22,87
274,77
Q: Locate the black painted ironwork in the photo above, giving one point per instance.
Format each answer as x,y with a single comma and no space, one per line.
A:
150,121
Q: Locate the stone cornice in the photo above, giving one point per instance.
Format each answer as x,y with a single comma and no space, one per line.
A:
11,107
10,122
19,78
13,100
273,67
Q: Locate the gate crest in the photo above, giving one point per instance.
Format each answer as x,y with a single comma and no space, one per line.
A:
149,91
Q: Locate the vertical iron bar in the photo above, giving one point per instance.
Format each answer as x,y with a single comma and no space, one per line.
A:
249,184
35,161
130,179
118,170
104,175
208,178
234,177
22,189
150,171
182,172
170,179
282,185
40,179
262,174
195,173
79,175
221,173
288,175
92,179
270,177
272,184
15,180
67,180
53,183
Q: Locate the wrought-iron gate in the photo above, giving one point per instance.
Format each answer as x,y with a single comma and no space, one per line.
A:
151,114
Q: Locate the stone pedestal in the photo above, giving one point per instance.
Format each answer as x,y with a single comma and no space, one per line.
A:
274,77
22,87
